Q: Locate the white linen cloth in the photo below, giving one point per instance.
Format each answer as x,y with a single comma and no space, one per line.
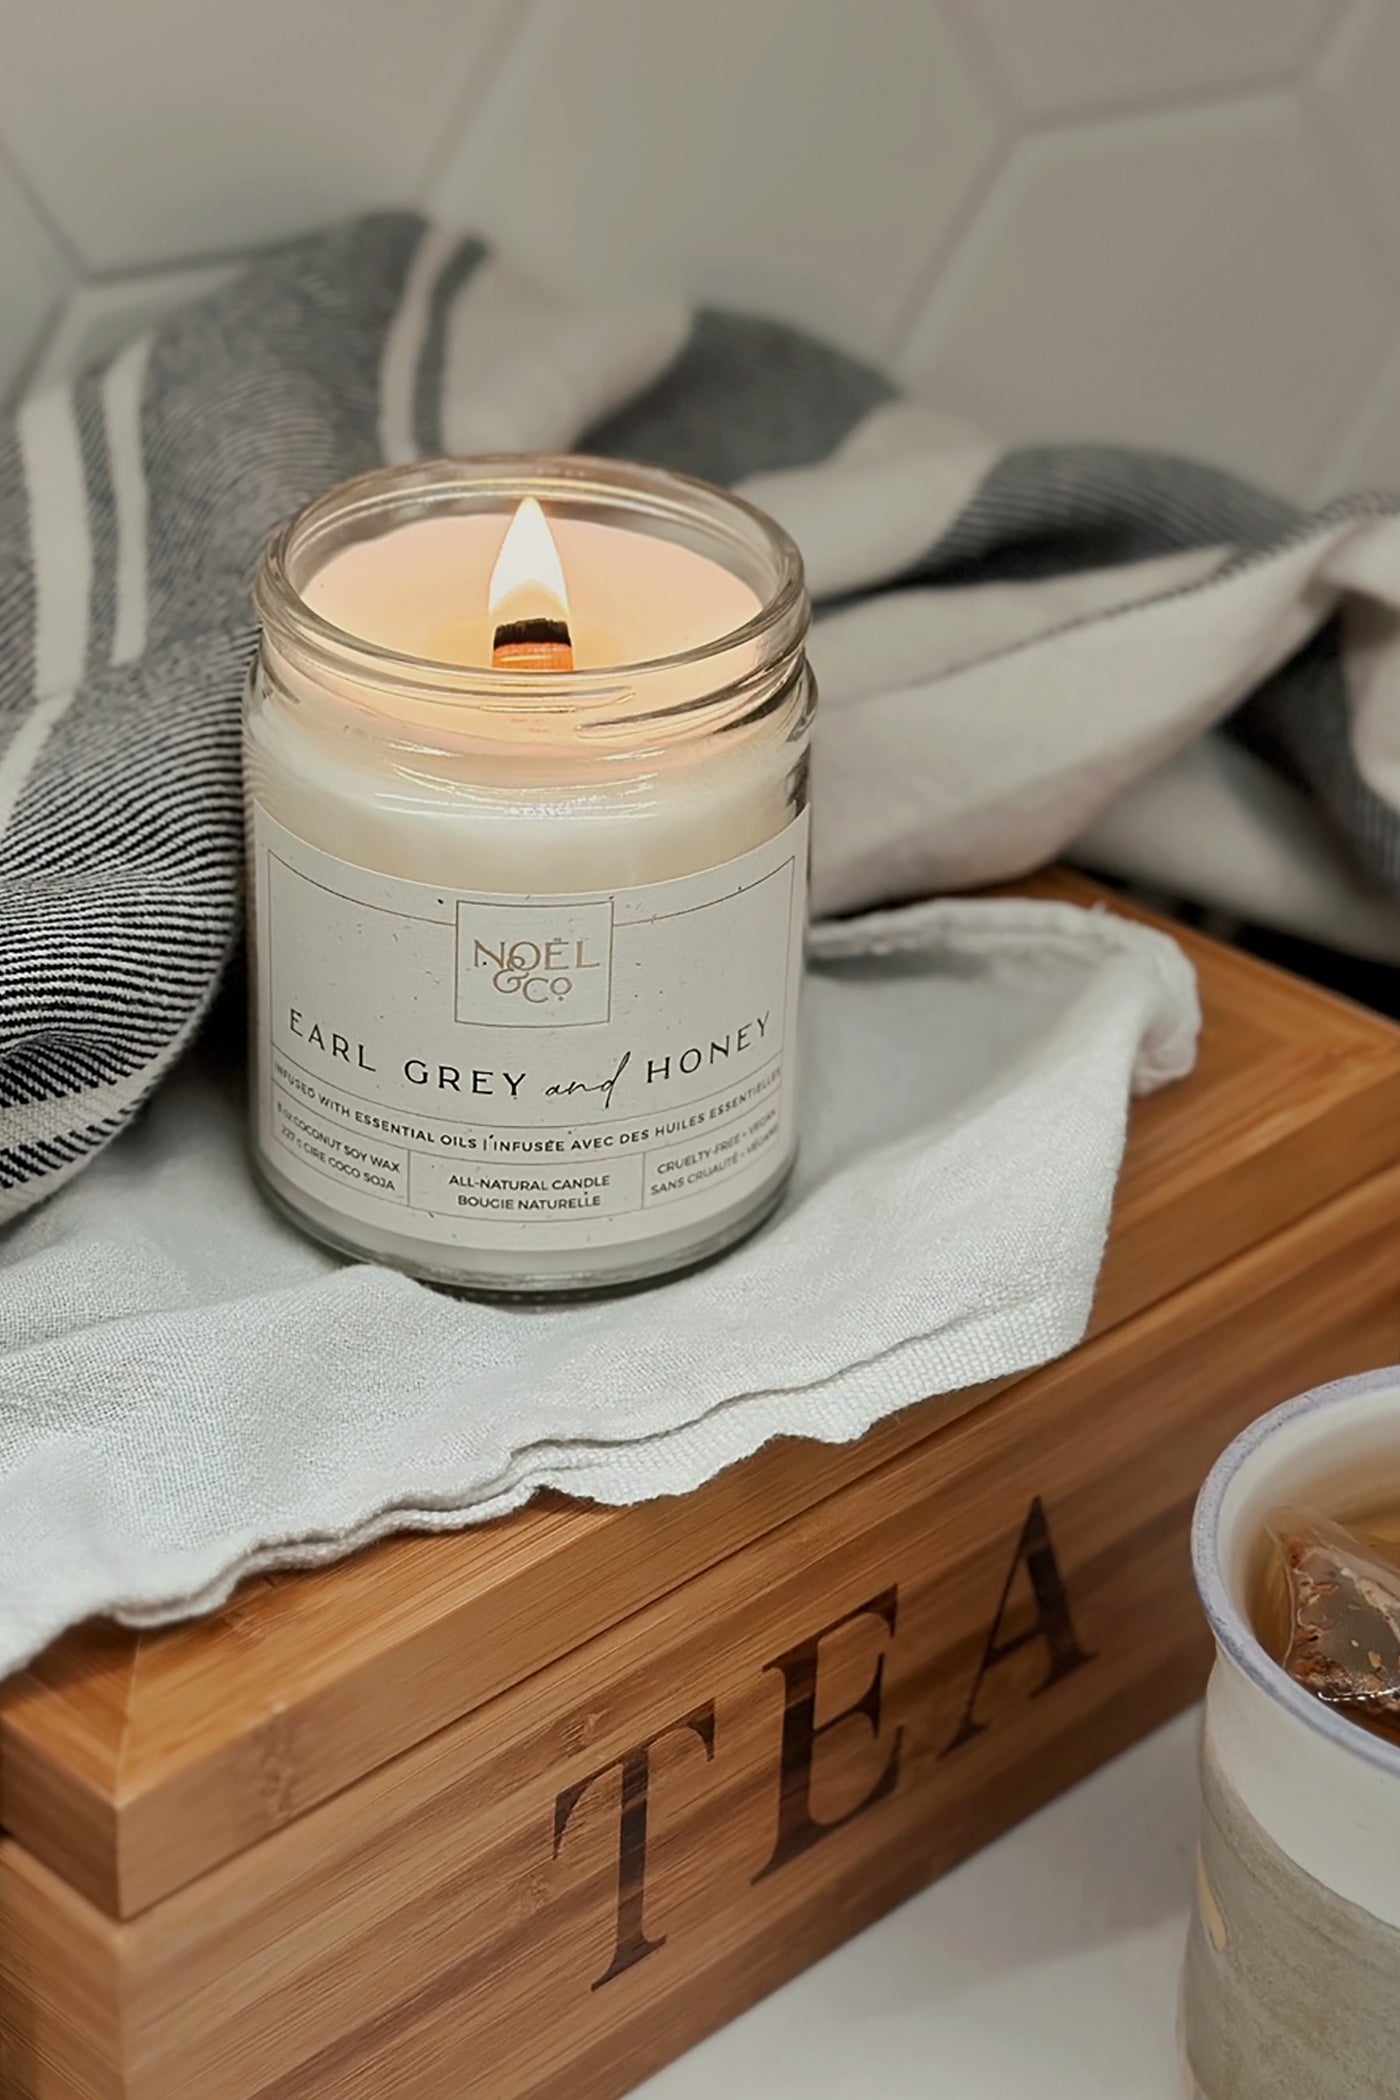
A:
190,1391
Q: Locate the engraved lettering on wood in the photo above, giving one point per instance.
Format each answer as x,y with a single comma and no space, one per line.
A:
632,1944
798,1828
1035,1552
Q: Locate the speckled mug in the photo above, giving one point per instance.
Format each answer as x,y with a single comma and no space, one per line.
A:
1292,1982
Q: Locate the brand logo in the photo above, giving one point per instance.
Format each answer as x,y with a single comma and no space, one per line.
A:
537,971
534,966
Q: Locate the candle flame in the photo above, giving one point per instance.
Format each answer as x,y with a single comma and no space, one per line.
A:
529,563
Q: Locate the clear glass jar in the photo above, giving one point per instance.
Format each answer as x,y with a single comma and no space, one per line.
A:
527,945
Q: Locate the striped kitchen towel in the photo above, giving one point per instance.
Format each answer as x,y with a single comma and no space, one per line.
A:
1007,642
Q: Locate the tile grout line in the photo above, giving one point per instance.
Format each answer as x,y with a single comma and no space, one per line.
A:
1337,461
176,265
67,249
505,38
1261,90
1334,35
949,243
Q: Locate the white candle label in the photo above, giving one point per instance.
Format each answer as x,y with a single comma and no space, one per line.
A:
527,1072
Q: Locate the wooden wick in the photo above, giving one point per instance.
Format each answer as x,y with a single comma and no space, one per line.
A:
532,645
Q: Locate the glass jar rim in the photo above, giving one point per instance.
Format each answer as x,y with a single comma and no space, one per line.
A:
1218,1514
403,494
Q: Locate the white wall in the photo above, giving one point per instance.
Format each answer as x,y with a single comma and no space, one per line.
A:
1172,220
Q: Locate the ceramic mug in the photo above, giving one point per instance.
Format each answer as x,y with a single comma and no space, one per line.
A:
1292,1983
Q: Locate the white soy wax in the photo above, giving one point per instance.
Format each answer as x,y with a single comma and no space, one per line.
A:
528,945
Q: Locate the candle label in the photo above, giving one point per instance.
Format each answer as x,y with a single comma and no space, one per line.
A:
527,1071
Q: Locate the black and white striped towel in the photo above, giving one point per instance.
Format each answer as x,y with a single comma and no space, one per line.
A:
1009,641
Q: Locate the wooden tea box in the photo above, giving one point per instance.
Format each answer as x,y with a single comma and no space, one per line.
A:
527,1810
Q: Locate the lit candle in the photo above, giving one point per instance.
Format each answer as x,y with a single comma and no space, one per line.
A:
526,759
529,598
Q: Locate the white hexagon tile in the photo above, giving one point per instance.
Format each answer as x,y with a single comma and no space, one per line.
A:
774,152
1190,280
158,129
1176,223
